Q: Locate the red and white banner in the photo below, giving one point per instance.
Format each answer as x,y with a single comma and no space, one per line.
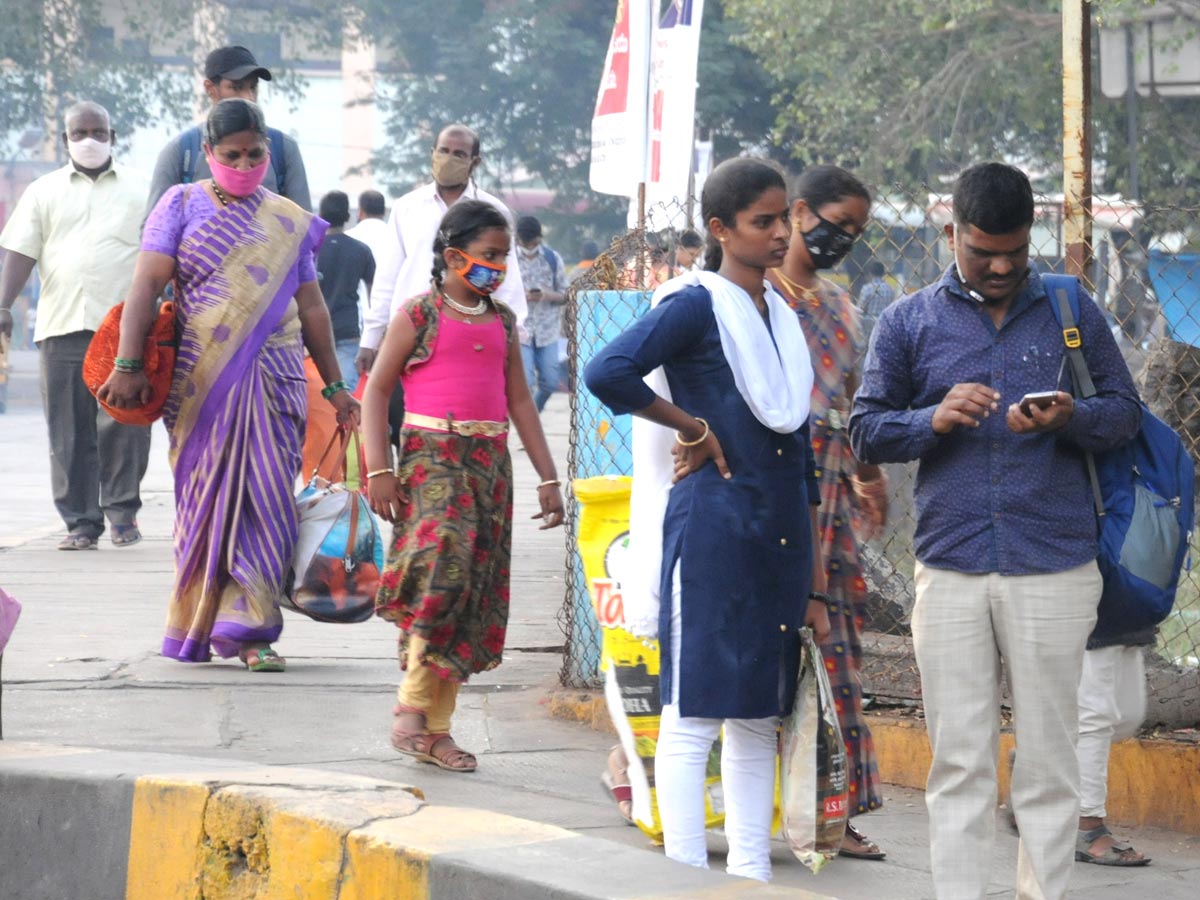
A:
619,123
675,50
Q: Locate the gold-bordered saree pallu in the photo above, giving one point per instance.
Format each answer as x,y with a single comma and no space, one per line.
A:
236,416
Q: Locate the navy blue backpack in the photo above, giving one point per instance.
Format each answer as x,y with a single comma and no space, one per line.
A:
1144,493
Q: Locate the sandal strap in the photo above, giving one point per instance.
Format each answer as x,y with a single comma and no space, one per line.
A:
450,754
1094,834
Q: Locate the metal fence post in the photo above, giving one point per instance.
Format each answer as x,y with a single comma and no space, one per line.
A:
1077,136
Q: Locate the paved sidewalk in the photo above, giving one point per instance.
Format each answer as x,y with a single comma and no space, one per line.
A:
83,669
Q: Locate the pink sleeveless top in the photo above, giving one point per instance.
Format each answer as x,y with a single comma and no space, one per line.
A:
464,375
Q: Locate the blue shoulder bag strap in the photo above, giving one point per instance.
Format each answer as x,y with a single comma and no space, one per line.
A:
189,155
278,159
1063,293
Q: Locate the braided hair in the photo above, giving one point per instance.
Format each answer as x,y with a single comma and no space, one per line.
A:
463,223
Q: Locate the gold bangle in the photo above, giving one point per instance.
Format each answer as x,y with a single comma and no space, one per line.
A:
700,440
549,482
379,472
876,487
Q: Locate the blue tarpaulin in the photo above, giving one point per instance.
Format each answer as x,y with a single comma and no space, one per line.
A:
1176,281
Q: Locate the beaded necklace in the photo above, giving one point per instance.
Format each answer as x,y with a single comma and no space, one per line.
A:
477,310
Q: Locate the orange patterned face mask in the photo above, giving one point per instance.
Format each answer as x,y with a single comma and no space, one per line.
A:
481,277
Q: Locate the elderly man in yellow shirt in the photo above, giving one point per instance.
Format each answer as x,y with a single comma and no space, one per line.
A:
81,226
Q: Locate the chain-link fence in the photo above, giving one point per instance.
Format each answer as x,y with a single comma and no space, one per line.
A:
1146,279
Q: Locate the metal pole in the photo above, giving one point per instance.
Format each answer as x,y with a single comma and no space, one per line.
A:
1077,136
641,228
1131,113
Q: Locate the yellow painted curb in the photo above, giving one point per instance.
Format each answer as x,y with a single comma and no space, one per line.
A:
586,707
391,858
1150,782
193,838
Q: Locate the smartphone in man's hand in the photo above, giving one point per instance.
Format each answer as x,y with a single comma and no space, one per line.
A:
1040,399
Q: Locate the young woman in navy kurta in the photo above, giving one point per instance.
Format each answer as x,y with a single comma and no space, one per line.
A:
743,544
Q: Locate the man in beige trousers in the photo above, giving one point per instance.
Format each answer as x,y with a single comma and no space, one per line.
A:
1006,536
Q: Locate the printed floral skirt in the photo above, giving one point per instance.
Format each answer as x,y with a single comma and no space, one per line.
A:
447,572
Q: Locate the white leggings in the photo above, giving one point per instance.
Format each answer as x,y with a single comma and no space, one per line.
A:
747,779
1112,704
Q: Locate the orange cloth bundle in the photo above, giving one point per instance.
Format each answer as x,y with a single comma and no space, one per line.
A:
158,358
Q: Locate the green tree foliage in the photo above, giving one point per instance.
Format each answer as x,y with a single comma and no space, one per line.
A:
734,94
56,52
909,90
524,73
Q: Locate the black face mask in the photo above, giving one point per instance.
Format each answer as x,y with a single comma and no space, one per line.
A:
827,244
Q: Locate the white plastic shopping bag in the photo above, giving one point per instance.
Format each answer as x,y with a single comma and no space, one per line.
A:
813,771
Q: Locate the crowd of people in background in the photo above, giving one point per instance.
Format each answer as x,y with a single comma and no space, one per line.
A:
446,315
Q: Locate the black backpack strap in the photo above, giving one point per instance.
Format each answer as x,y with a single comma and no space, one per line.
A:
1081,378
1073,343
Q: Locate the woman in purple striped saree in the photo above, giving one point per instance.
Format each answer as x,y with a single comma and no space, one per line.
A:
246,304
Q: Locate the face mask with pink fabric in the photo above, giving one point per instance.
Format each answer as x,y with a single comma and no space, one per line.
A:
238,182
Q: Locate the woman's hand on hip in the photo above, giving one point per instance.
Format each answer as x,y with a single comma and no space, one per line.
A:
691,459
387,495
349,413
125,390
550,499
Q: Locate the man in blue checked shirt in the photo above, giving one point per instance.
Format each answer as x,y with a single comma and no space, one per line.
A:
1006,536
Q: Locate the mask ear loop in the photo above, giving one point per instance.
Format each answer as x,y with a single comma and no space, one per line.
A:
973,294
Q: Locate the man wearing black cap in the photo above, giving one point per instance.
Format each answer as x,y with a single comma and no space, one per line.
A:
231,72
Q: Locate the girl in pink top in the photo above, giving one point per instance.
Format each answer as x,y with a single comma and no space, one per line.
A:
445,583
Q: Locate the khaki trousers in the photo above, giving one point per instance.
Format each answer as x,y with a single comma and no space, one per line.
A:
423,690
962,626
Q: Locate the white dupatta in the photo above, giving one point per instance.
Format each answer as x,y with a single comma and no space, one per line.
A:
774,378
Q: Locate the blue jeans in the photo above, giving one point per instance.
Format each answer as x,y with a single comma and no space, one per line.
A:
541,362
346,349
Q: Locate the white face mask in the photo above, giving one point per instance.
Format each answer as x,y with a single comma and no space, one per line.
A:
90,153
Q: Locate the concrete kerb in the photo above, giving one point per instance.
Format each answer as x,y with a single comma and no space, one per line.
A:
101,824
1151,782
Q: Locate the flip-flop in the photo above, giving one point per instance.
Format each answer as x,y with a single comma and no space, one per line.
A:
125,535
77,541
263,659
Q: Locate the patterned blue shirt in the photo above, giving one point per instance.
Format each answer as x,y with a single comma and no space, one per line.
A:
987,499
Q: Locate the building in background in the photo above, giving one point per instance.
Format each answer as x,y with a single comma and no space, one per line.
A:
324,100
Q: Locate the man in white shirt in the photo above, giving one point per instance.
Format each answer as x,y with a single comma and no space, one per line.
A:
373,231
406,267
81,226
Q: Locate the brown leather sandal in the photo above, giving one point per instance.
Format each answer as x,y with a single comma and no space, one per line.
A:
409,740
443,752
863,847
